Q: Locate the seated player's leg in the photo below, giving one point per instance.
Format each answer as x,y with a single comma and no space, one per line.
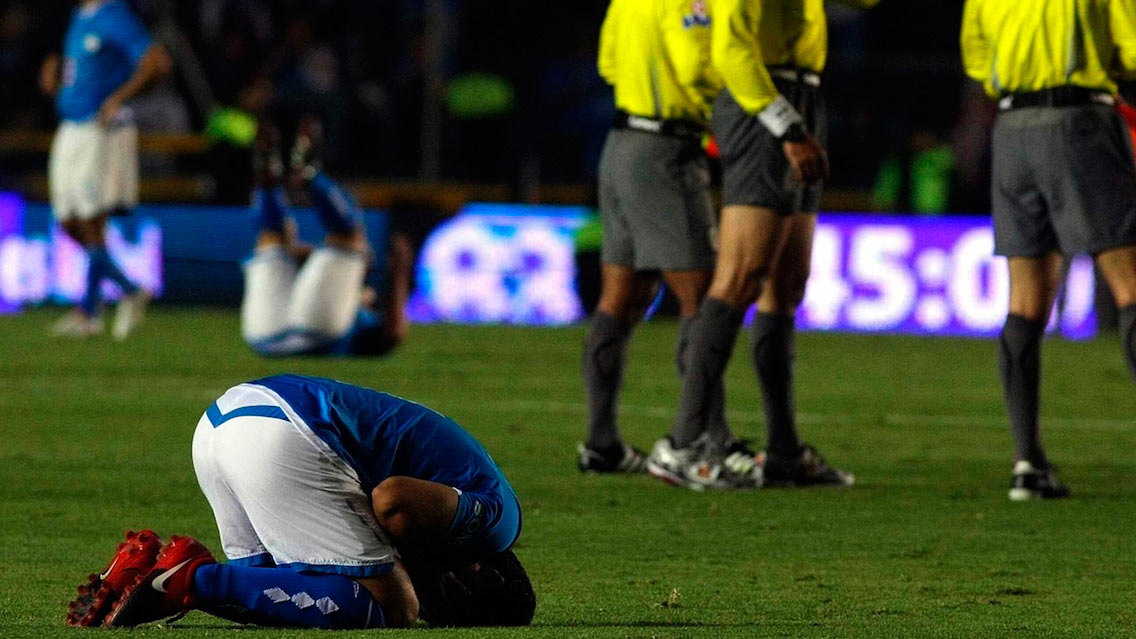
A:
270,276
326,299
326,308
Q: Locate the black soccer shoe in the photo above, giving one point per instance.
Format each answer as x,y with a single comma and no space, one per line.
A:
306,159
808,468
618,459
267,161
1029,483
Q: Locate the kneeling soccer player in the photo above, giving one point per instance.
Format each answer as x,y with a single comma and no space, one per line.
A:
338,507
319,307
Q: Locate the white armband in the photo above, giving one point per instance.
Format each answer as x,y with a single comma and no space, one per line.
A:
779,116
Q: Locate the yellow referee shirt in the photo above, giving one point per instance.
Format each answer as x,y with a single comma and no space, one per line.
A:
656,53
1029,45
750,35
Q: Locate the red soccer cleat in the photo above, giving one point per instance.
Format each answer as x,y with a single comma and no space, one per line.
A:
132,559
166,591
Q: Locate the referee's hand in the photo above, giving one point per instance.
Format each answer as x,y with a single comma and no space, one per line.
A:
808,159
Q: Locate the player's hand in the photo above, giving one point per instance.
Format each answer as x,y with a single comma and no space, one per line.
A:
808,159
109,109
49,75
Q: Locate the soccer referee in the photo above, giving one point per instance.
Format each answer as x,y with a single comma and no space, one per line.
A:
655,203
770,125
1063,179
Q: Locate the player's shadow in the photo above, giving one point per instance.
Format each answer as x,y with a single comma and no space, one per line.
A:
584,624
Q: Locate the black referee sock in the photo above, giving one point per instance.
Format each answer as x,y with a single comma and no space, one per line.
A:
1019,359
716,418
1128,336
605,350
712,338
774,350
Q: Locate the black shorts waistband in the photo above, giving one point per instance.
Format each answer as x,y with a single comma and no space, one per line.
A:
1062,96
793,74
684,129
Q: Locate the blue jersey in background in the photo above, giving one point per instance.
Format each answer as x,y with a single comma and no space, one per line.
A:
102,47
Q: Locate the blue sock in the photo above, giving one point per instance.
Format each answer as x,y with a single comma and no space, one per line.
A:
269,207
96,269
280,597
337,211
110,270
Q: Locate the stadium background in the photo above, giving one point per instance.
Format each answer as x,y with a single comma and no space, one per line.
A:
491,113
431,105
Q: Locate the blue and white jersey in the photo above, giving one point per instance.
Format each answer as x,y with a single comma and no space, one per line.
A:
103,45
378,435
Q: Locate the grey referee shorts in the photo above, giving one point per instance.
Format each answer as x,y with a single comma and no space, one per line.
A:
1063,178
655,202
755,171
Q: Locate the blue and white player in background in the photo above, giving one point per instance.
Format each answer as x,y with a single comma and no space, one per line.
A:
300,301
338,507
108,58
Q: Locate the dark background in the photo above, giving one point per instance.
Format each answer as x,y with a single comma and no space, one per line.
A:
894,84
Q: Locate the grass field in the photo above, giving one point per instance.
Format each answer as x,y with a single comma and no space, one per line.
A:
95,439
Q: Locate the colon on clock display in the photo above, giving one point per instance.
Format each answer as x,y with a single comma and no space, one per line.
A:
925,276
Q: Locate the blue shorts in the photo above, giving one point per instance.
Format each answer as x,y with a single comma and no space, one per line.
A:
487,522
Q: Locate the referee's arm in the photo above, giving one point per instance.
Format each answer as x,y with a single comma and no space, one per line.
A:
606,63
736,52
1122,26
977,51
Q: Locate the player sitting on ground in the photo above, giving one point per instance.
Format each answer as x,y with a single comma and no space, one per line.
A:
321,307
337,507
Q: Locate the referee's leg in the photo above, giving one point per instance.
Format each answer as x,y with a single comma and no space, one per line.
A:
773,343
749,238
624,298
1033,286
1118,266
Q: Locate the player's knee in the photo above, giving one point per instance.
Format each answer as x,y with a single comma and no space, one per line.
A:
739,286
789,293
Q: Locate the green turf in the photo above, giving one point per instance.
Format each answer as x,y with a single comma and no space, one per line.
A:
95,439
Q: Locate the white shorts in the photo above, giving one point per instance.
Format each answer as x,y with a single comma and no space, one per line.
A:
279,493
92,169
289,312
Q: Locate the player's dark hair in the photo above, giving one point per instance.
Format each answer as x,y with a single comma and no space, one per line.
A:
497,593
